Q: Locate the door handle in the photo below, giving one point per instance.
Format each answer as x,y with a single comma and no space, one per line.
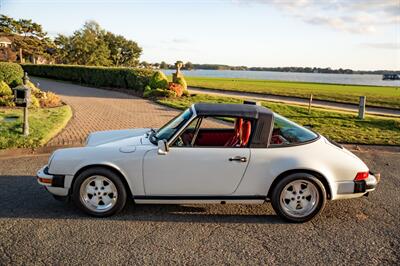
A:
238,158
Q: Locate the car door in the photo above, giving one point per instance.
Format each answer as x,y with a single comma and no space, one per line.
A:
194,170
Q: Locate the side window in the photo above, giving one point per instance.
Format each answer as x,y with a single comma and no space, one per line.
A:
286,132
216,132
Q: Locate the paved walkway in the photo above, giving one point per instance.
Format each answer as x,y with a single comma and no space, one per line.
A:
295,100
96,110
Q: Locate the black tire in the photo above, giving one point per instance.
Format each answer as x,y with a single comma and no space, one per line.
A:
277,204
61,198
114,178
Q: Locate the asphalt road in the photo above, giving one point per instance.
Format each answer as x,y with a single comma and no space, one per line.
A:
36,229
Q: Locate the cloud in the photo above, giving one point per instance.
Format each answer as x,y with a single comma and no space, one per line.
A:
355,16
384,45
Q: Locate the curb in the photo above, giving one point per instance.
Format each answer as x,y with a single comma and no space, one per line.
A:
20,152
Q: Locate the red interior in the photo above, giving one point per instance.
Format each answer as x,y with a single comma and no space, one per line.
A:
246,130
235,139
213,137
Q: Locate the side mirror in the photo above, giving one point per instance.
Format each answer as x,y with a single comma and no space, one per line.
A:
162,147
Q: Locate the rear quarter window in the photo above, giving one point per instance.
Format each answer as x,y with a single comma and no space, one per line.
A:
286,132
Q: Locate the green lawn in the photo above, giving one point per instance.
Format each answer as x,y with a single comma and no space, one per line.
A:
44,124
376,95
343,127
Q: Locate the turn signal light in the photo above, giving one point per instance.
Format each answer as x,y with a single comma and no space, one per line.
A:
45,180
361,176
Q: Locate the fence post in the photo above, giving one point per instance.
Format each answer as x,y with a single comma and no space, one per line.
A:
309,104
361,108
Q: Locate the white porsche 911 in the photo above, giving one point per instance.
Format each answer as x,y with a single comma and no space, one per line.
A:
210,153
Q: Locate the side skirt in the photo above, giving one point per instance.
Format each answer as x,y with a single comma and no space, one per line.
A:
199,199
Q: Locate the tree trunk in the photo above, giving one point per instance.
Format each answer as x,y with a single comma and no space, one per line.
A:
20,56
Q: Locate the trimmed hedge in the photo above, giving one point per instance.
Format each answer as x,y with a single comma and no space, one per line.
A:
116,77
11,73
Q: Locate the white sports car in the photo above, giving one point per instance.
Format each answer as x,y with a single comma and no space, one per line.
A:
210,153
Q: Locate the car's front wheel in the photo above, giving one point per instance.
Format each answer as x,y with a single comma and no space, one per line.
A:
299,197
99,192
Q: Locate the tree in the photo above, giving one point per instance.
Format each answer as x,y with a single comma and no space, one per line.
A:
28,37
123,52
163,65
92,45
145,64
188,66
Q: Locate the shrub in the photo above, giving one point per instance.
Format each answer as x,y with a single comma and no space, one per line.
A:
11,73
116,77
34,102
7,101
177,88
158,80
50,100
5,90
182,82
159,92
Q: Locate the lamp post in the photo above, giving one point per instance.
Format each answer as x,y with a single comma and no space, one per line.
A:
27,95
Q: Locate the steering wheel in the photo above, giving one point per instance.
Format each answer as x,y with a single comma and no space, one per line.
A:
179,142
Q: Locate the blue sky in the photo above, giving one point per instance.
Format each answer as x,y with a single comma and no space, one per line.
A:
357,34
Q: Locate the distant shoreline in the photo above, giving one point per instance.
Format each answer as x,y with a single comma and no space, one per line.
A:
274,76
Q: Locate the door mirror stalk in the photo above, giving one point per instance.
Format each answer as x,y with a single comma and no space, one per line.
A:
163,148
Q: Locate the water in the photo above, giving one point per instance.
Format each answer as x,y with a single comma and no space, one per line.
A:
351,79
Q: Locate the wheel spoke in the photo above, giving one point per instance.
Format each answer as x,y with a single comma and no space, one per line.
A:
299,198
98,193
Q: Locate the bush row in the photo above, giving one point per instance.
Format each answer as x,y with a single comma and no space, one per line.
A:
11,73
117,77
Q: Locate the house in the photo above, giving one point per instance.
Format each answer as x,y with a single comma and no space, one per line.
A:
5,42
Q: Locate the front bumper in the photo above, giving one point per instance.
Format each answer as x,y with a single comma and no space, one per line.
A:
354,189
55,184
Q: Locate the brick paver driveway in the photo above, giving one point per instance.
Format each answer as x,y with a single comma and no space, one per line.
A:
96,109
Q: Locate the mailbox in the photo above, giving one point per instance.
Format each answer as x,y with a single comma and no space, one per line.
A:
22,95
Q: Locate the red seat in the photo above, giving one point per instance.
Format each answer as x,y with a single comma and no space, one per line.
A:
235,139
246,131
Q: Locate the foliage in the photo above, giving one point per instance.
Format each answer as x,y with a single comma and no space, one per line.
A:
51,100
44,123
6,95
156,93
116,77
188,66
27,36
34,101
123,52
376,95
175,87
163,65
181,81
93,46
5,90
11,73
158,80
343,127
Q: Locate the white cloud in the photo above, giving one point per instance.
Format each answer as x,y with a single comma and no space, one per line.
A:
355,16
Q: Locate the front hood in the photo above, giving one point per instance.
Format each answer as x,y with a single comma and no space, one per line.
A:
131,136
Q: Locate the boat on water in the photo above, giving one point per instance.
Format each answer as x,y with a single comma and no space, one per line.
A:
391,76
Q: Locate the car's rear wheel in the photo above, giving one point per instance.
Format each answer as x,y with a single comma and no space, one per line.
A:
99,192
299,197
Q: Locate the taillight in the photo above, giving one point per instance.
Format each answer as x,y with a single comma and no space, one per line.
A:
361,176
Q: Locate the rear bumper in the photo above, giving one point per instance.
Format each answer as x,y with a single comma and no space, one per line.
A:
55,184
354,189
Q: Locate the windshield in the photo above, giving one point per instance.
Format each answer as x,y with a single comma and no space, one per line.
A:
288,132
169,130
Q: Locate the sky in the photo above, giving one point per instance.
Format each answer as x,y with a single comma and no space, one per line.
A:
356,34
